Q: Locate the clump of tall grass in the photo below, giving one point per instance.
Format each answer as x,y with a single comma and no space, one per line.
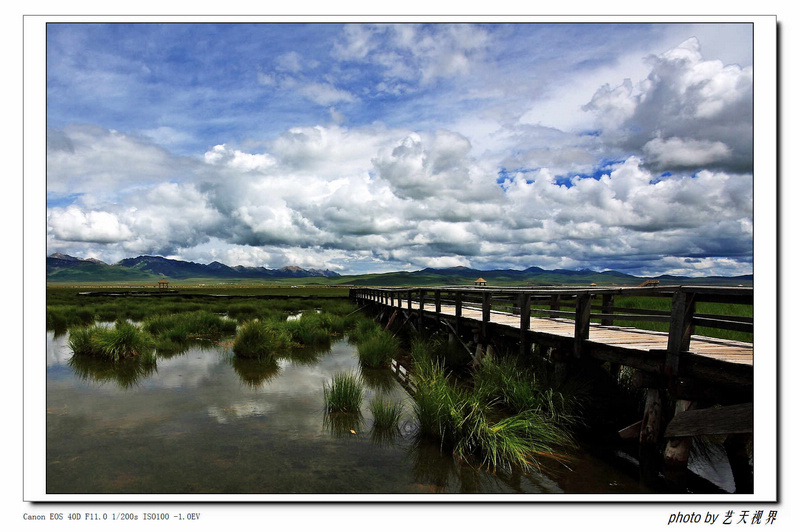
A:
363,328
310,329
377,349
344,393
476,422
173,332
260,339
205,323
423,353
122,341
385,414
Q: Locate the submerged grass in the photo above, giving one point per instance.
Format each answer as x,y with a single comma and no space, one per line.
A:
344,393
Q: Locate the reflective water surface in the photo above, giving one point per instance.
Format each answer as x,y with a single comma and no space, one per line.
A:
203,422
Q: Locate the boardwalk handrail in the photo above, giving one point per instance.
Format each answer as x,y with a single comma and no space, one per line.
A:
576,304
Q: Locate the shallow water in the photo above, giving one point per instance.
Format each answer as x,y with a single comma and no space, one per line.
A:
202,422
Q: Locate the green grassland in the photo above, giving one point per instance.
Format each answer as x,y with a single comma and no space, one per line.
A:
66,308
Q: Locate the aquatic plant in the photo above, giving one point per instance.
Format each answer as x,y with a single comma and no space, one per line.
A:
475,422
310,329
259,339
377,349
518,388
363,328
385,414
124,340
423,353
344,393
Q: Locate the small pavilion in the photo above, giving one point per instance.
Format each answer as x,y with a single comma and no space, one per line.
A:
480,281
163,284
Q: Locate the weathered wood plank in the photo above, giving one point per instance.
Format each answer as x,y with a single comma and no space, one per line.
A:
735,419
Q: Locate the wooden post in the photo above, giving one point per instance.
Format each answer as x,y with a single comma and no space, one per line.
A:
421,308
459,302
410,297
555,304
437,299
476,359
560,365
649,436
524,323
486,308
651,422
676,454
680,330
608,303
583,308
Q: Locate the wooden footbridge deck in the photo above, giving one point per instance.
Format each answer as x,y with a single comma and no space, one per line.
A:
579,324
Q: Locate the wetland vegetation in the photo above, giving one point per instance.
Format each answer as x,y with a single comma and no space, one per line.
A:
501,416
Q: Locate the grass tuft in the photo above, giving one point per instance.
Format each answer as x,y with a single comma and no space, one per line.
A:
122,341
489,422
385,414
377,349
261,339
344,394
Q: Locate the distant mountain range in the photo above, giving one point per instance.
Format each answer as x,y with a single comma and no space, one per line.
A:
65,268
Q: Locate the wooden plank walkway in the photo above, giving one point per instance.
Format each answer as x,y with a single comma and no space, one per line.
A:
724,350
584,321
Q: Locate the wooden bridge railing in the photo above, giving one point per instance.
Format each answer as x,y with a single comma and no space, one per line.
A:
582,305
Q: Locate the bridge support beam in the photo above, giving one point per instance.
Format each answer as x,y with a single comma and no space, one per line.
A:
676,454
649,437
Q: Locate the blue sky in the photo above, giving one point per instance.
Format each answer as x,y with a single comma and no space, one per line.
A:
401,146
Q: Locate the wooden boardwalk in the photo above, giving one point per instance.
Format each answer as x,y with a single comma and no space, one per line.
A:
709,380
722,350
585,322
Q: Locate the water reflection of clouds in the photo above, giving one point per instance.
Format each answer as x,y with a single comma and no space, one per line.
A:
250,408
292,399
205,382
57,351
188,370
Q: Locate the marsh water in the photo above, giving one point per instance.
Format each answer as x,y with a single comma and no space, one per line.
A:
201,422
